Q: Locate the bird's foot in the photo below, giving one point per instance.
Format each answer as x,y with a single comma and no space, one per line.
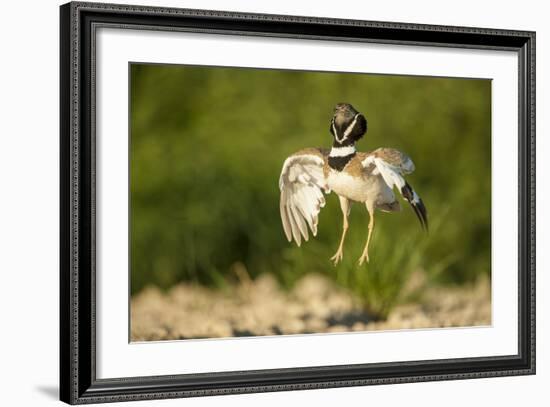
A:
364,257
337,258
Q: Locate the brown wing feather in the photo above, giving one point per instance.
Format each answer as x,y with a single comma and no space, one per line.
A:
318,151
355,166
396,158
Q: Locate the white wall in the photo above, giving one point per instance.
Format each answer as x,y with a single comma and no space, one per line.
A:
29,202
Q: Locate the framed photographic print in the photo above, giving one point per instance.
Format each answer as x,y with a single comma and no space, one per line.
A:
255,203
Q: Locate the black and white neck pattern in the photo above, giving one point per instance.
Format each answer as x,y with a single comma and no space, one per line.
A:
340,155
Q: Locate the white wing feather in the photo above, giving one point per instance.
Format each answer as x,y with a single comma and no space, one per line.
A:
301,183
392,171
392,175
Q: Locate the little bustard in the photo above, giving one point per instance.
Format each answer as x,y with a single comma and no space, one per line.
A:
354,176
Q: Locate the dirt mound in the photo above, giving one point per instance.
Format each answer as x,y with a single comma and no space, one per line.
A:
314,305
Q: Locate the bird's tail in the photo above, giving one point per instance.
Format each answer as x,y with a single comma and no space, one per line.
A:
418,206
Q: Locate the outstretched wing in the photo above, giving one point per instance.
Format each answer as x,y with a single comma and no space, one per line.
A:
392,165
302,183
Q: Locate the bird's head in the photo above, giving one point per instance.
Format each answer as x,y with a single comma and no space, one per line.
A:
347,125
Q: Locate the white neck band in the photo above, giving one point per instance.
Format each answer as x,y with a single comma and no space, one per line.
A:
342,151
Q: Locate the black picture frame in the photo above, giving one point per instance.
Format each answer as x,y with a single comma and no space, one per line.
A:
78,382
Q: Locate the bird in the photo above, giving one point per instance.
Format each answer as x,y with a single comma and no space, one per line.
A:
368,178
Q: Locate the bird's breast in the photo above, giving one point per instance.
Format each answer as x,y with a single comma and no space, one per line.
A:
349,186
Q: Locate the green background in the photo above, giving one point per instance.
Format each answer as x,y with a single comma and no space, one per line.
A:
207,147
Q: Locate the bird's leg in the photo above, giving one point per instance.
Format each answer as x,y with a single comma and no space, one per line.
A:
365,255
345,206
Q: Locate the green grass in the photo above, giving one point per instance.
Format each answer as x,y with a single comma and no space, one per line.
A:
207,146
380,284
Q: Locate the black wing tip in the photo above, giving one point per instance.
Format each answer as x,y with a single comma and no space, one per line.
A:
422,214
418,206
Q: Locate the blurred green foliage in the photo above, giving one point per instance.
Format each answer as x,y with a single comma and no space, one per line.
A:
207,146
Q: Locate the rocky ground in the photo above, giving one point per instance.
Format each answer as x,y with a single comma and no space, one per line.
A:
314,305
